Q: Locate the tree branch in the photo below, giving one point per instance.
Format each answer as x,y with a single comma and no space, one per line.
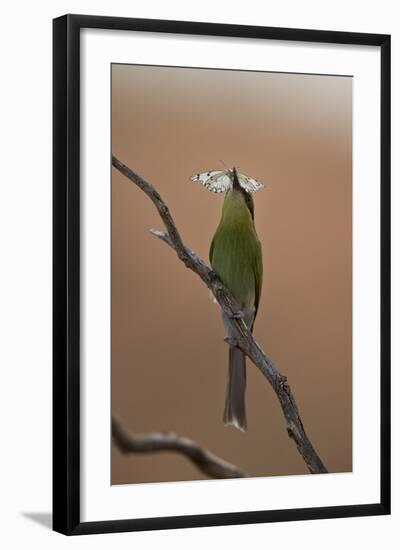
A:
242,337
204,460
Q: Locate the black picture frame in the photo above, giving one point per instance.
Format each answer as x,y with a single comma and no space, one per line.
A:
66,273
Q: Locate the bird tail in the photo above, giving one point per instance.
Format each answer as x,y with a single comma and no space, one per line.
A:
235,408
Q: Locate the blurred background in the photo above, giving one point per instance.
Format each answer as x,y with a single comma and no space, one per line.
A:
169,360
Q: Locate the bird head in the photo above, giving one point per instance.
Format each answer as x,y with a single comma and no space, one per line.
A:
237,192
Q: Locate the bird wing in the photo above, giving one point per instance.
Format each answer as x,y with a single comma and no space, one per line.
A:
258,277
210,254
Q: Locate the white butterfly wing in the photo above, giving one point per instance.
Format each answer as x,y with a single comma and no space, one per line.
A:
219,181
216,181
204,176
250,184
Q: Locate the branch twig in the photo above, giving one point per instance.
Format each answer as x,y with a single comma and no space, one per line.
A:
242,336
206,462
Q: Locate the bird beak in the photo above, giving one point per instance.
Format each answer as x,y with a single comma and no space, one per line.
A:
235,180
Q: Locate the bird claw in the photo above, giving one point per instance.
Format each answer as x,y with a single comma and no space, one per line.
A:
230,341
283,382
237,315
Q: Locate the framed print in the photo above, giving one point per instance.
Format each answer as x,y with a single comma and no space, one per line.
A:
254,385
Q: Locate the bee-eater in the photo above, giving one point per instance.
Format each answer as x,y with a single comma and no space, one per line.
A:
236,256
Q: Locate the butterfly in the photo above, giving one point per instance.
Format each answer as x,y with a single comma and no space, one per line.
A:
219,181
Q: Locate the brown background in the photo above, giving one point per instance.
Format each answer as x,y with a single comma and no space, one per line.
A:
169,361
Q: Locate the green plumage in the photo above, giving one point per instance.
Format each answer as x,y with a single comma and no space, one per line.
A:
236,256
235,252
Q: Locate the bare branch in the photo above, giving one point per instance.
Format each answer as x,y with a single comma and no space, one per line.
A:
204,460
241,335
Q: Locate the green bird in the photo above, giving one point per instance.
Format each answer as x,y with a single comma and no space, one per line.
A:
236,256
